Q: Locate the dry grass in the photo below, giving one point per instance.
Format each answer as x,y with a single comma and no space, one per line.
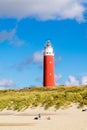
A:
60,96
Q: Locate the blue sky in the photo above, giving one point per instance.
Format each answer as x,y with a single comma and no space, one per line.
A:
25,27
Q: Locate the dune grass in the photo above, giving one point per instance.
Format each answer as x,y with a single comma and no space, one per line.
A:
58,97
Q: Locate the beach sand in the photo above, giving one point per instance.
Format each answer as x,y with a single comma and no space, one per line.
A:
63,119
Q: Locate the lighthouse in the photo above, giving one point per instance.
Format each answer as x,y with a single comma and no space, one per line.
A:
48,66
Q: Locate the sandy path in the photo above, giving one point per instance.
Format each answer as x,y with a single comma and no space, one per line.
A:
68,119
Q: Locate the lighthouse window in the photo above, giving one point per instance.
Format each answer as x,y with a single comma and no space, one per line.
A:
48,52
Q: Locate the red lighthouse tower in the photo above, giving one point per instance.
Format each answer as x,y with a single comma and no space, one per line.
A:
48,75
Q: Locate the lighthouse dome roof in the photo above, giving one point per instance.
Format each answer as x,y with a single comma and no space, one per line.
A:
48,49
48,43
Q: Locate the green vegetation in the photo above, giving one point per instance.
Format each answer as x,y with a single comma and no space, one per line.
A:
58,97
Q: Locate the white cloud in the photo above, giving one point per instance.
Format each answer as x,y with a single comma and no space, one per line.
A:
72,81
43,9
83,1
16,41
57,78
37,56
76,81
84,80
4,35
6,84
10,37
